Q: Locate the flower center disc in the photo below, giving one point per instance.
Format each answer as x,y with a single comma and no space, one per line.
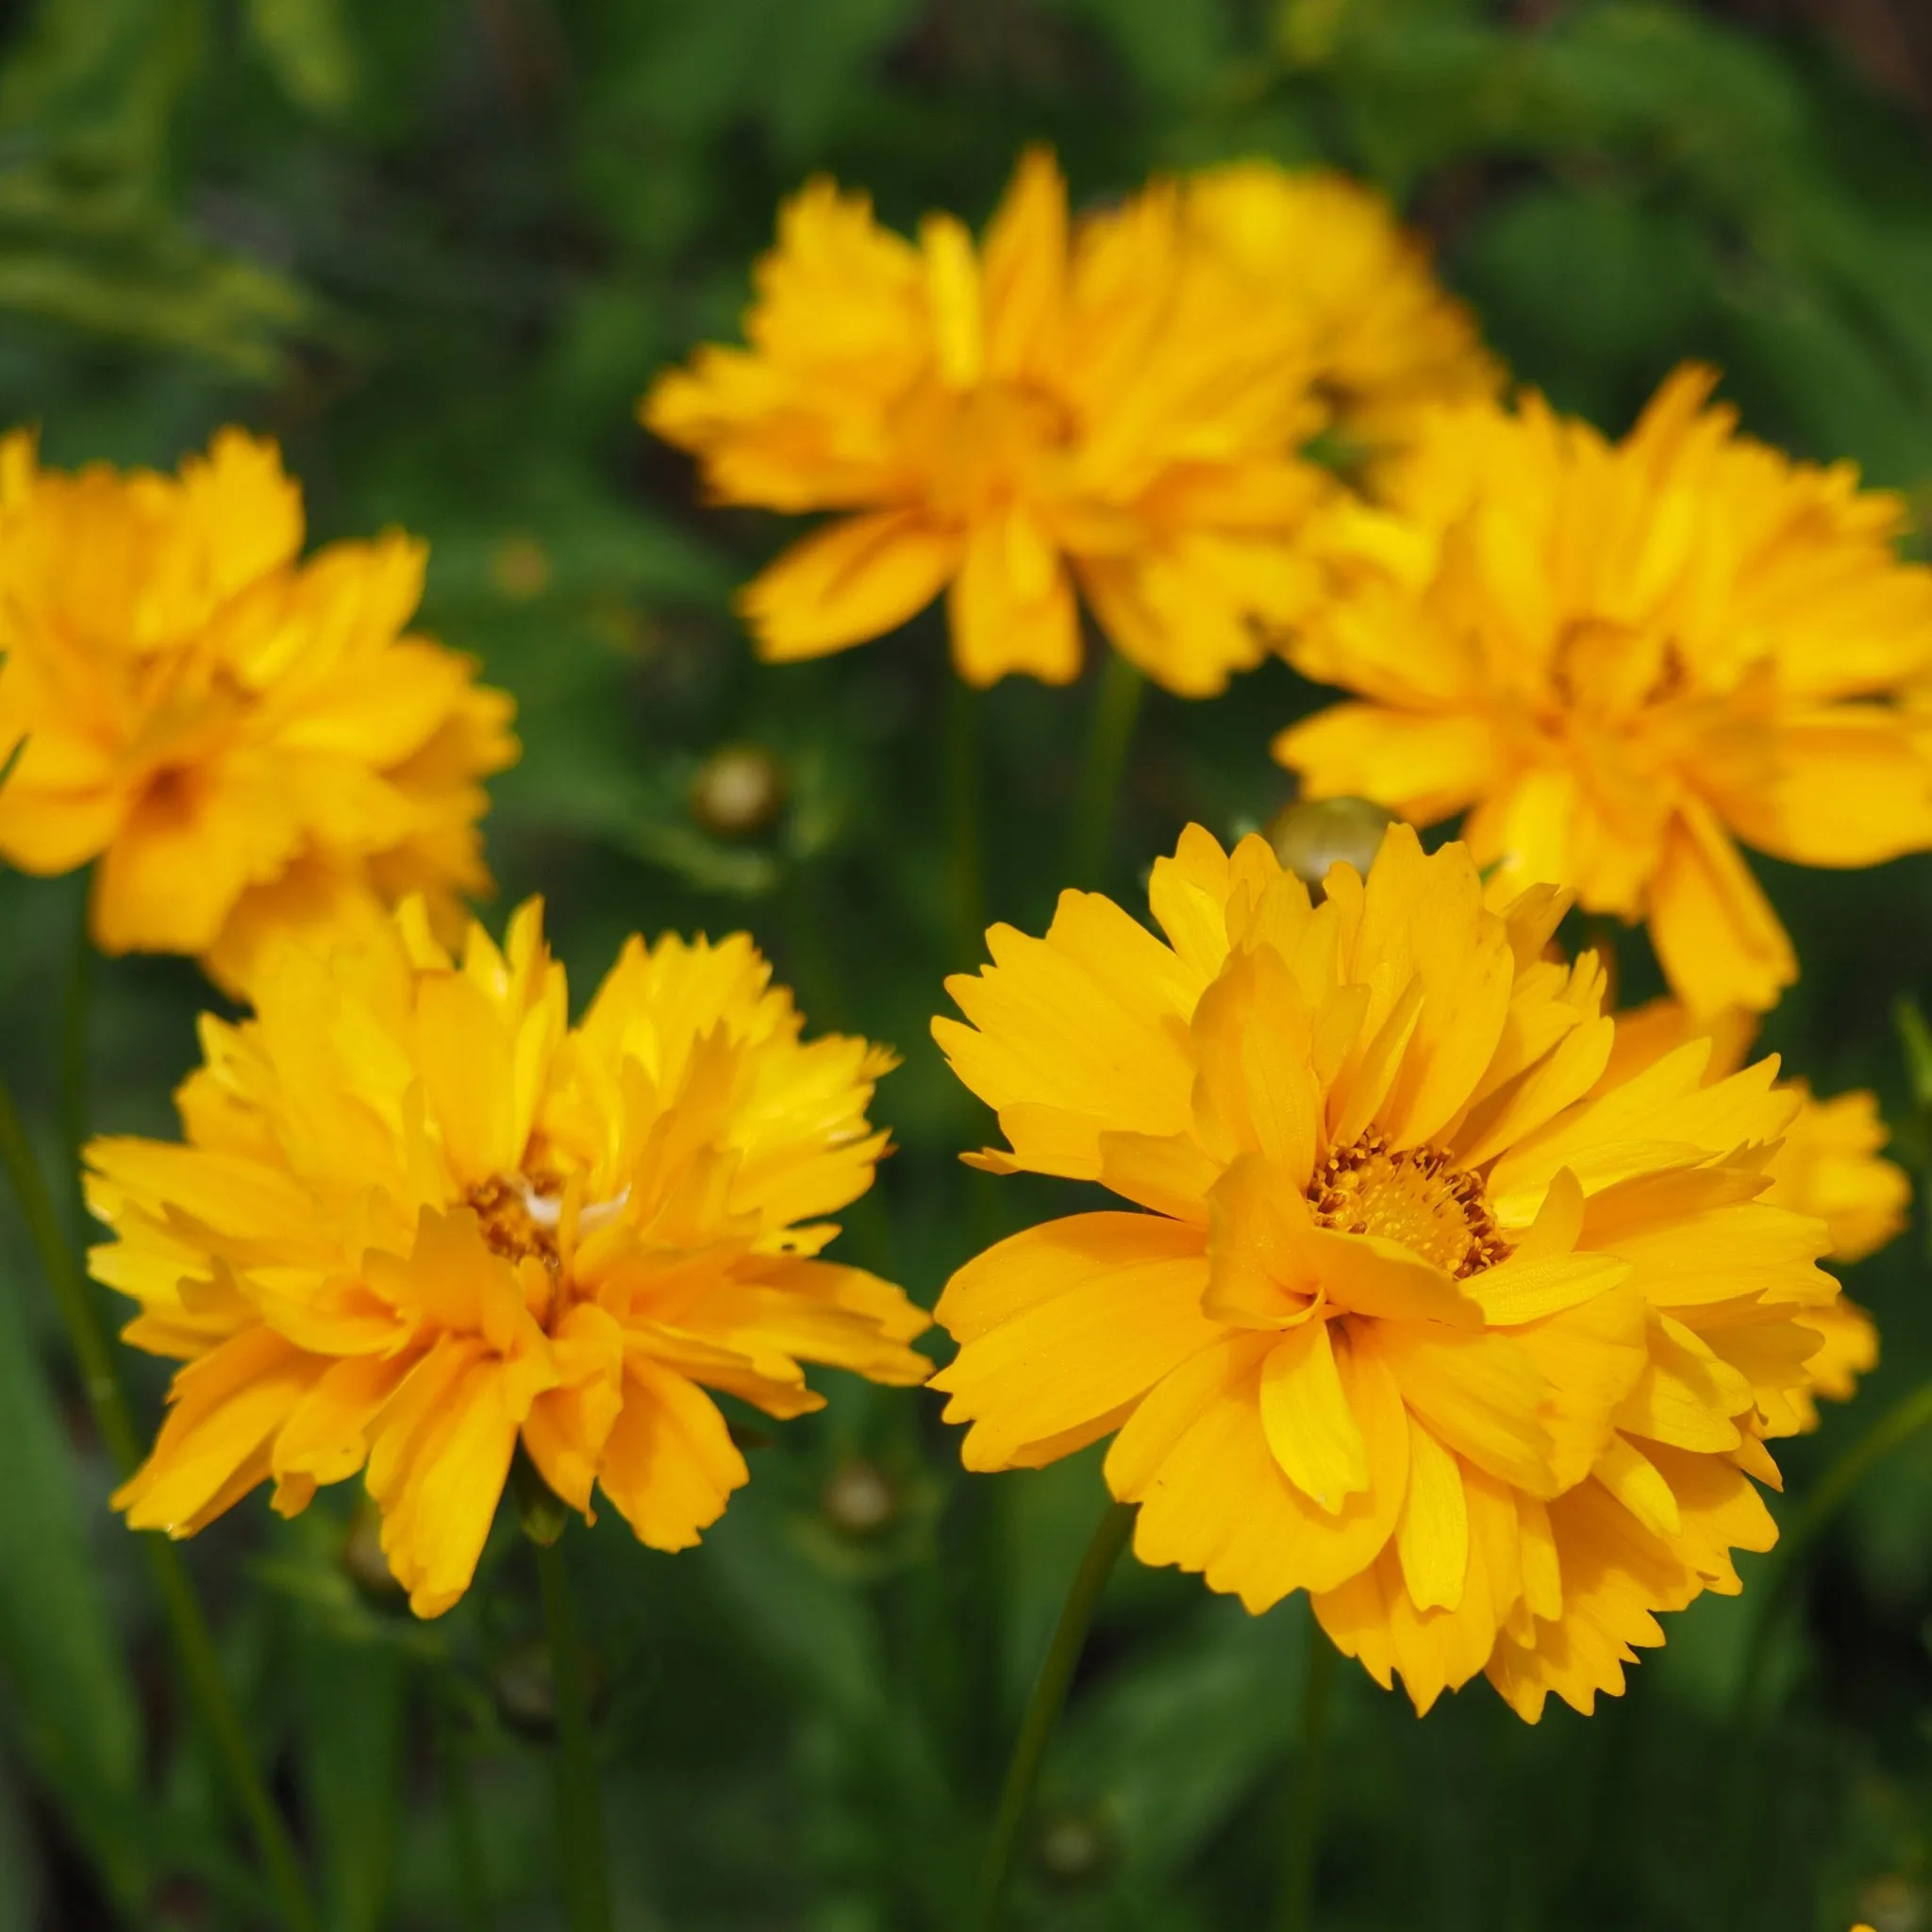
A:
1415,1197
509,1228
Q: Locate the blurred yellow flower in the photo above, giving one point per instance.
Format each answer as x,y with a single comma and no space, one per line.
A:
1621,658
1416,1318
1828,1166
419,1219
1352,291
1110,410
244,742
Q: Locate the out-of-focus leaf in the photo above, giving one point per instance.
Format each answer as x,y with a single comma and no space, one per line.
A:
89,236
352,1730
307,44
1176,47
809,1629
68,1684
19,1864
1168,1747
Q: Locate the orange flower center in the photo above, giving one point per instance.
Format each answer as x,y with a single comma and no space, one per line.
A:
510,1227
1415,1197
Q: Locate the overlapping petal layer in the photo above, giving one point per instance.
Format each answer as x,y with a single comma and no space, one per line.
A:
419,1218
1110,409
244,742
1620,659
1425,1312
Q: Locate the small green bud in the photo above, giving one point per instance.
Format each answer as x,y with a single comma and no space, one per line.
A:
363,1561
1312,834
525,1687
738,791
1071,1848
541,1510
859,1500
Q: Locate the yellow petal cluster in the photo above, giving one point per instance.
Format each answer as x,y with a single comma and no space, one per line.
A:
1352,293
1622,658
1108,409
418,1219
242,742
1409,1307
1828,1167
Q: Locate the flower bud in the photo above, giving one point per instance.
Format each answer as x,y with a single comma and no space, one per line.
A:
859,1500
1071,1848
520,568
738,791
1312,834
362,1559
525,1685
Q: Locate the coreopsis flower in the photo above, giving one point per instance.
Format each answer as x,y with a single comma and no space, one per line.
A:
1111,409
1352,291
1620,659
419,1218
1405,1309
241,741
1828,1166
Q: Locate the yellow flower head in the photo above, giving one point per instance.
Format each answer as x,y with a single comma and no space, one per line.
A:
419,1218
1352,290
243,742
1417,1316
1619,658
1827,1167
1110,409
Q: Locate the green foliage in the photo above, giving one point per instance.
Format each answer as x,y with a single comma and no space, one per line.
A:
439,249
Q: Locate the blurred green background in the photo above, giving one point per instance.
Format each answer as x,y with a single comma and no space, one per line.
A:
439,247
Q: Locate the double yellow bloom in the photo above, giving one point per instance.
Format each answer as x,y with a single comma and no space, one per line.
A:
1442,1301
1619,660
1437,1291
244,743
1110,409
419,1218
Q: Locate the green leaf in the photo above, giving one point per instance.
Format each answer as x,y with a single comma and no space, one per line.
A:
19,1864
351,1731
1170,1746
307,42
70,1691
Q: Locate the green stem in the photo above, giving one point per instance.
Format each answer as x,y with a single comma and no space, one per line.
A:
1310,1784
1907,1417
75,1013
965,854
1116,707
1910,1416
1043,1708
583,1869
188,1625
473,1877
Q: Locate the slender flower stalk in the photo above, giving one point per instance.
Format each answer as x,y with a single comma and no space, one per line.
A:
1310,1785
1906,1419
188,1624
76,1015
583,1864
1044,1709
965,811
1109,738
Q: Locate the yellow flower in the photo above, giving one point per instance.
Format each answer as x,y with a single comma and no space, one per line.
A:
1109,409
1352,291
1620,659
1828,1167
243,743
419,1218
1413,1318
